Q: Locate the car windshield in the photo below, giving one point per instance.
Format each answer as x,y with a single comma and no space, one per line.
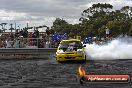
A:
70,45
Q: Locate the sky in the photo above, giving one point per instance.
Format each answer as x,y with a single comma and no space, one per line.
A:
44,12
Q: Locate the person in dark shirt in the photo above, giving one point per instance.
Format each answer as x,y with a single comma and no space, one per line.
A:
11,36
36,34
25,33
16,34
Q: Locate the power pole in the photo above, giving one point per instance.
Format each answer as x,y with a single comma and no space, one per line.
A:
11,27
15,26
27,26
3,26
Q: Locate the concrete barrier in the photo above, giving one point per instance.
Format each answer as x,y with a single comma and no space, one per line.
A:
27,53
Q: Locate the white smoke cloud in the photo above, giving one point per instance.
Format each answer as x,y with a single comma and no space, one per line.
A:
116,49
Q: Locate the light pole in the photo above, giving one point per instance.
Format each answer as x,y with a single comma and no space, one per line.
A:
3,26
15,25
11,27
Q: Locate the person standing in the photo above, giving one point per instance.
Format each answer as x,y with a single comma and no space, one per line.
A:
9,43
17,43
47,44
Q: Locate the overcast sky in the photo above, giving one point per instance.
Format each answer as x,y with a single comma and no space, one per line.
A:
40,12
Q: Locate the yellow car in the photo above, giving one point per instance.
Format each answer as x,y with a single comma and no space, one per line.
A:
69,50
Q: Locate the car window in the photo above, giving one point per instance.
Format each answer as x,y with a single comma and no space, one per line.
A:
72,45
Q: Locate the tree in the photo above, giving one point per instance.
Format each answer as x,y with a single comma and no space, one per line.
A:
94,21
60,26
130,31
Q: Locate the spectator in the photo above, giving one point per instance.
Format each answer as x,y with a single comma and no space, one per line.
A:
16,34
35,34
47,32
30,35
3,44
0,43
47,44
44,43
21,43
44,36
34,42
21,32
16,43
11,36
40,44
25,44
30,43
25,33
9,43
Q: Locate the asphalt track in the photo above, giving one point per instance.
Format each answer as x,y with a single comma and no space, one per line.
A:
47,73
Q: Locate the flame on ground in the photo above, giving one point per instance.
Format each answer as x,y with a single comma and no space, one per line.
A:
81,71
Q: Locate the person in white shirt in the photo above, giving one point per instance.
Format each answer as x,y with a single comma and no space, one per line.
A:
8,43
47,44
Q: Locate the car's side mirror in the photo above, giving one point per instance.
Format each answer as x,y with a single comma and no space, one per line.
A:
84,45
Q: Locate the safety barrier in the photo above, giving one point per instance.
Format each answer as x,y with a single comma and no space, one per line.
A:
27,53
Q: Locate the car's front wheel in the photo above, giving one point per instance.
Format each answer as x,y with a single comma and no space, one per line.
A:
58,60
84,59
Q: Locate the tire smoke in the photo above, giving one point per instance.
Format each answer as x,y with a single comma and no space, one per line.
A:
120,48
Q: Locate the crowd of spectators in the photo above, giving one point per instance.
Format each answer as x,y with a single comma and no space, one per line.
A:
101,41
24,39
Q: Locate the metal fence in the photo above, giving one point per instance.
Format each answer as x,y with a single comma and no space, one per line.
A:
28,43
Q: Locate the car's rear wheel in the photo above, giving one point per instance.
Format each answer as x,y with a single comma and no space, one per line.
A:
85,57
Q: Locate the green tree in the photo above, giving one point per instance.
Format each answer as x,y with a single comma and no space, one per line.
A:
94,21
